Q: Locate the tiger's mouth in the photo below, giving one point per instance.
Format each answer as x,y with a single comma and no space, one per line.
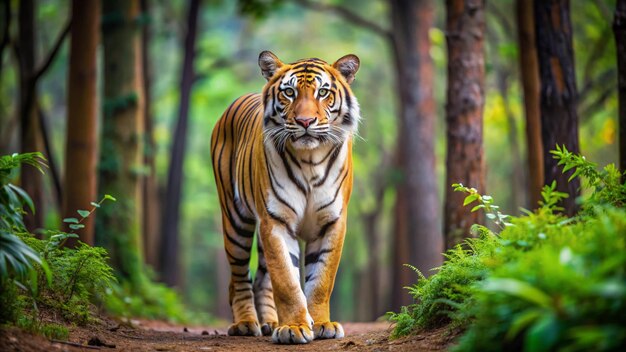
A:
306,136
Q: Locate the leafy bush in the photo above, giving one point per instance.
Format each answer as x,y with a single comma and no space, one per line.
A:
17,260
36,273
543,282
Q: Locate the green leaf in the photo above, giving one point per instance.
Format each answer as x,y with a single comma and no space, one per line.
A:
25,198
479,206
95,204
518,289
542,335
522,321
469,199
83,213
76,226
109,197
71,220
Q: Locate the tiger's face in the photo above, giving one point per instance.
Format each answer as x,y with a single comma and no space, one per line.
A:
308,103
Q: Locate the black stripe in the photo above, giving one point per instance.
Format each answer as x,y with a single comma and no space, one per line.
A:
336,192
292,177
237,243
330,164
326,226
240,298
276,217
316,163
270,173
237,261
293,159
294,260
313,258
268,305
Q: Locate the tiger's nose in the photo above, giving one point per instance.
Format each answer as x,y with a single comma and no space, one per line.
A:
305,121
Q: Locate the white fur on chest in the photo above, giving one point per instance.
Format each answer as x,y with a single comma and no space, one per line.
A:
307,212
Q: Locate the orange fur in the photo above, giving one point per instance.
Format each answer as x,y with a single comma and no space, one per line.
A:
283,165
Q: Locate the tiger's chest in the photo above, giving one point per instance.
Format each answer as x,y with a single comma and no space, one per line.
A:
306,189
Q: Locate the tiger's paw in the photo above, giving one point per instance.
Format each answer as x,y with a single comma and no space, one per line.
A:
328,330
268,327
245,328
292,334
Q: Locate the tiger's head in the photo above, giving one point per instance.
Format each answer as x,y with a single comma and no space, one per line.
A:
309,102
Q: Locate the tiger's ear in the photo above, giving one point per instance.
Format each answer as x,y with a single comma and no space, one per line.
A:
269,64
348,65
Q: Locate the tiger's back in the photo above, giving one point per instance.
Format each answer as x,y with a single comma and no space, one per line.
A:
232,147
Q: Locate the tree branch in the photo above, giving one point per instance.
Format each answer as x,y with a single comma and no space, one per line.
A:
53,52
348,15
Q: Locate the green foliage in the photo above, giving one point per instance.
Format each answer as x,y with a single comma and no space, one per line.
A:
544,282
18,262
150,300
49,330
605,185
78,276
41,273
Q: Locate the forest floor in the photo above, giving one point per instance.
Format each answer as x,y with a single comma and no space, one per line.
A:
160,336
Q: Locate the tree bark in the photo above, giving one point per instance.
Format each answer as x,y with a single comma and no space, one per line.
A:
30,135
417,230
465,163
559,96
151,200
81,140
529,71
121,150
619,30
170,266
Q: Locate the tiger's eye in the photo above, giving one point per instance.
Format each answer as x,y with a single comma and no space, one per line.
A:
322,92
289,92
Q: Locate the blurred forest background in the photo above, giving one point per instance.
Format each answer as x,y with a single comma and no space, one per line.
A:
187,61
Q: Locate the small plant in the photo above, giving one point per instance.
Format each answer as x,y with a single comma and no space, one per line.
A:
485,202
78,275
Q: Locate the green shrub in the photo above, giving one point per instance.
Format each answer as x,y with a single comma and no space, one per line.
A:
543,282
40,274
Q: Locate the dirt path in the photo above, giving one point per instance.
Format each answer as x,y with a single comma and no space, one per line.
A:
158,336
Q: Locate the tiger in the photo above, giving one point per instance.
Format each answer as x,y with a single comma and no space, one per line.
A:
282,162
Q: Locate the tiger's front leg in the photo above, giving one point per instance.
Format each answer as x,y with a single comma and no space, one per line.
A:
322,260
281,251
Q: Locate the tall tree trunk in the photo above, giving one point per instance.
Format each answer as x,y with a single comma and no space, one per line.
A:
465,164
171,215
121,149
5,39
417,229
559,96
619,29
30,135
529,72
151,200
81,141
